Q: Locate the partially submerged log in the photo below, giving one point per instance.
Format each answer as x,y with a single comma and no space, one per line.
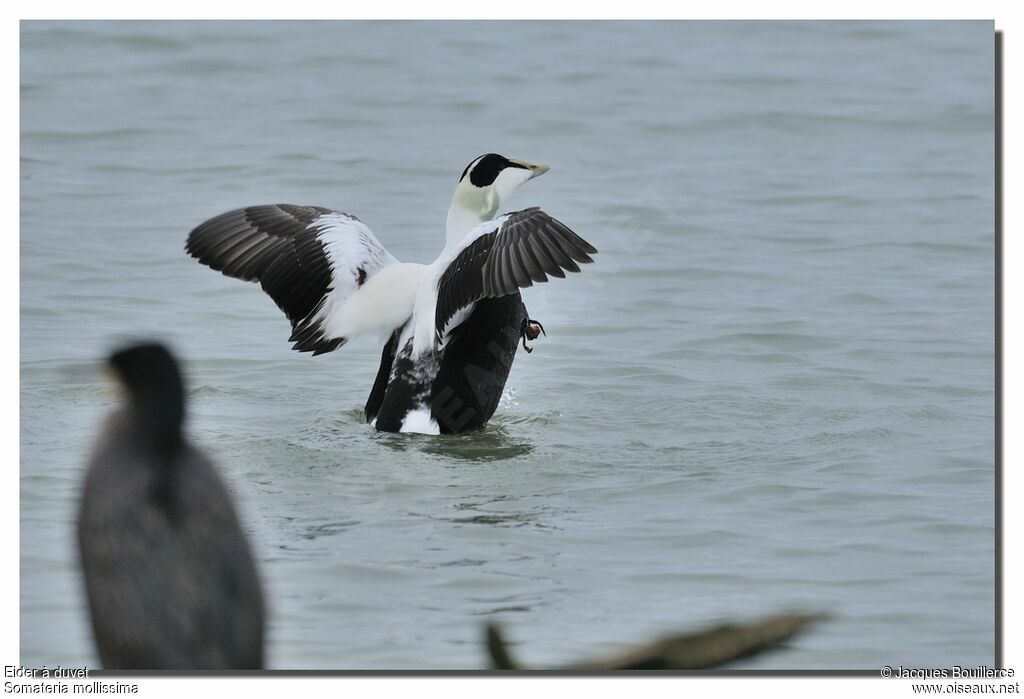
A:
710,648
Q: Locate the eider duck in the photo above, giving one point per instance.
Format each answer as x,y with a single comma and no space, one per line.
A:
450,329
170,579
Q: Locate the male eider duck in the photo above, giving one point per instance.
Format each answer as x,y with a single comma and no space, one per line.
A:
451,328
170,579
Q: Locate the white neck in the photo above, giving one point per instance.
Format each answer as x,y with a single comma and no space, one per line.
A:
470,207
460,222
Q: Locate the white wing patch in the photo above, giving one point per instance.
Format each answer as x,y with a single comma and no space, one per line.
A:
351,247
356,257
382,304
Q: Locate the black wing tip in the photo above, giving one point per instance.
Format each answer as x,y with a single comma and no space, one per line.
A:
320,347
324,348
579,243
310,338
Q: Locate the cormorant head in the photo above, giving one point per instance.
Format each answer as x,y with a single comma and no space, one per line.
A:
151,376
488,181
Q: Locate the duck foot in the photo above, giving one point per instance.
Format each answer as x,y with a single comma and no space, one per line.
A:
532,329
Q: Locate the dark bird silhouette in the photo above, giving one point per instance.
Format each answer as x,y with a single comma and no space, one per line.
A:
702,650
169,576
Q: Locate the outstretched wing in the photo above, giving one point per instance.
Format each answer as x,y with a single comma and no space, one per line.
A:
500,257
309,259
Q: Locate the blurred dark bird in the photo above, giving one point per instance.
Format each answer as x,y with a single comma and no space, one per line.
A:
170,578
713,647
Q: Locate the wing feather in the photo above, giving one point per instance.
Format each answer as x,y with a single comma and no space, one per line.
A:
533,258
502,256
306,258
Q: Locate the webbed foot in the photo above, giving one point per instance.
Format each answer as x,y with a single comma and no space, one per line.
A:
532,329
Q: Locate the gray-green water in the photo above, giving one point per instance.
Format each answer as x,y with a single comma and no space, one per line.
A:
774,390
